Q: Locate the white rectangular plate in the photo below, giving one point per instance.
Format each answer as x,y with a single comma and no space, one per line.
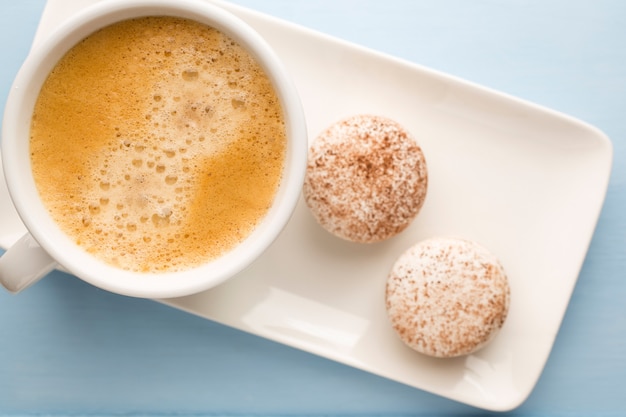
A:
526,182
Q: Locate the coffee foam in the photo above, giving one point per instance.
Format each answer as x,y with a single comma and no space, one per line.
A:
172,149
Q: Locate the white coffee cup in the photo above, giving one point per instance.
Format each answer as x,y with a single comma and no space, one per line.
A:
46,247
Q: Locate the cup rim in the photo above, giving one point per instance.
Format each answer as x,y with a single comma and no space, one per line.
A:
59,246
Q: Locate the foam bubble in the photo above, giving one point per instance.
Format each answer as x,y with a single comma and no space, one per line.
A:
190,75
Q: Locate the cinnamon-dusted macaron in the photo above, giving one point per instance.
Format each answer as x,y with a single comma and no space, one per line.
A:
366,179
447,297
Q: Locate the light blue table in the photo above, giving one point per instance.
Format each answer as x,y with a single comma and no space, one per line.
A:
67,348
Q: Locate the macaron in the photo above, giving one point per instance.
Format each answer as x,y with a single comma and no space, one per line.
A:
447,297
366,178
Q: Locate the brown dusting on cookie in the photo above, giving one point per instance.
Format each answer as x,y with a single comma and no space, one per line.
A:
447,297
366,179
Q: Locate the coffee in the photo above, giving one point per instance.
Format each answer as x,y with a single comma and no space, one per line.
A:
157,144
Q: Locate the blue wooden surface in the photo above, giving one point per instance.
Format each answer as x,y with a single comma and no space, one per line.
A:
67,348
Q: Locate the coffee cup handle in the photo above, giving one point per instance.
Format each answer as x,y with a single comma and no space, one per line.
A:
23,264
